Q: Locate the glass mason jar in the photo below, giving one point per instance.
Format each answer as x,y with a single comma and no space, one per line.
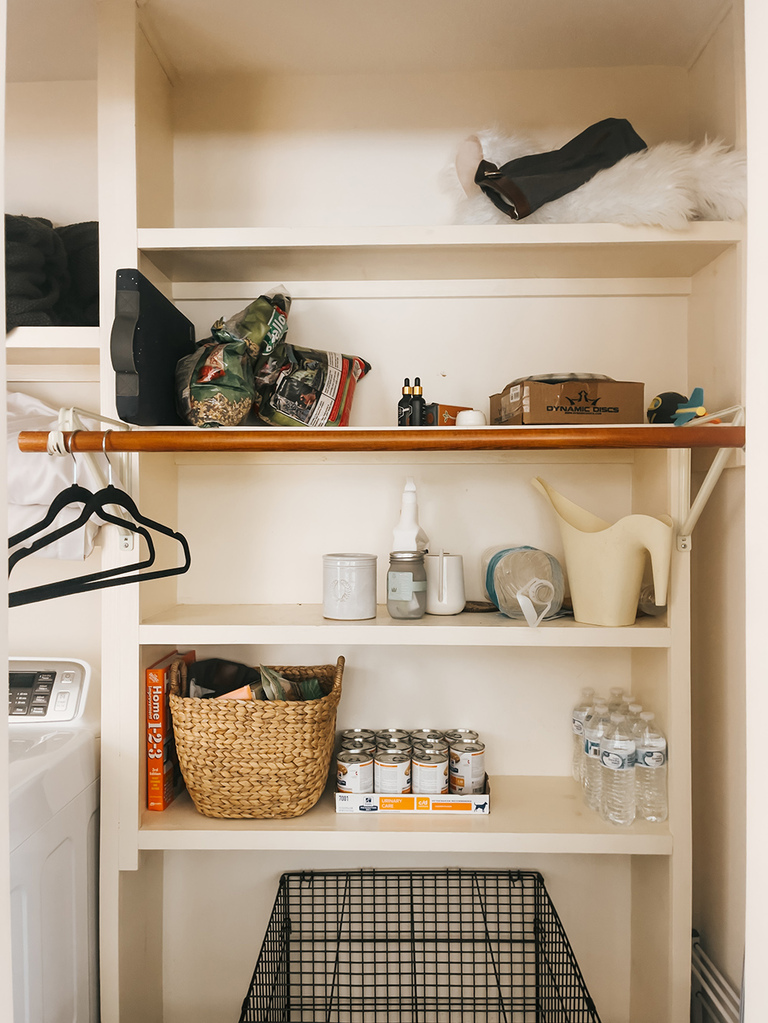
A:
406,584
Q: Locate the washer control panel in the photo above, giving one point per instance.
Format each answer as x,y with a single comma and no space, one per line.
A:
46,689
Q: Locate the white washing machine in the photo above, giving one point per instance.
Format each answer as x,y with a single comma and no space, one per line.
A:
54,804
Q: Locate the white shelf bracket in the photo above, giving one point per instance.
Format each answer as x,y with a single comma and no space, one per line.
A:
738,415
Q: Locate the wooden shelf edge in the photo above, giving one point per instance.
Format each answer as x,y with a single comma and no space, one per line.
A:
490,438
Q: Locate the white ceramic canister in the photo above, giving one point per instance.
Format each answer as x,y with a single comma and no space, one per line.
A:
349,586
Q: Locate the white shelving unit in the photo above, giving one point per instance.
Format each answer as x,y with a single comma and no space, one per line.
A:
227,168
468,308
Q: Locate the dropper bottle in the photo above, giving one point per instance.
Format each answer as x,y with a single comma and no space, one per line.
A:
404,405
417,403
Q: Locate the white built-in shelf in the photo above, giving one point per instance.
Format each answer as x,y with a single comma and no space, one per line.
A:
190,625
52,353
528,815
58,343
443,252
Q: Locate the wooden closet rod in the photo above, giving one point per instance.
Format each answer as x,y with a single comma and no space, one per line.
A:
500,438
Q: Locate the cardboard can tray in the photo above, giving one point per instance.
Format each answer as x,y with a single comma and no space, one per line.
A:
379,802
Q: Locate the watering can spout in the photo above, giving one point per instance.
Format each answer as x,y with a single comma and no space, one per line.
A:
605,562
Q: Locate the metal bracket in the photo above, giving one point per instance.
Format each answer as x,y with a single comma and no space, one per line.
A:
738,415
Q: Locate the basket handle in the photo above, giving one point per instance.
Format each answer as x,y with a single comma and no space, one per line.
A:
177,674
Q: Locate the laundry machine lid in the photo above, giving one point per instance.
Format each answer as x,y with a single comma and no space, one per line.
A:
48,767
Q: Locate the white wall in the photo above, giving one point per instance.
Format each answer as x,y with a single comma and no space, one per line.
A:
51,151
718,561
343,149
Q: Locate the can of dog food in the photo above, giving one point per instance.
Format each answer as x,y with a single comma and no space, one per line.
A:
392,772
359,734
431,746
354,771
393,746
429,772
461,735
359,745
421,734
467,767
392,734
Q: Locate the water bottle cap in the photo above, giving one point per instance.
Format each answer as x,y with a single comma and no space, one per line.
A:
636,708
617,691
616,718
647,715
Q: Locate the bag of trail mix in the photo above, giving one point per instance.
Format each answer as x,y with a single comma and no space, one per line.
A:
214,384
293,386
262,324
303,387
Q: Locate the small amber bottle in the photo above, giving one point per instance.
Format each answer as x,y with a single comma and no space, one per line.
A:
404,405
417,404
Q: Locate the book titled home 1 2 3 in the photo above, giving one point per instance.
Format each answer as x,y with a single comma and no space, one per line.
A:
164,781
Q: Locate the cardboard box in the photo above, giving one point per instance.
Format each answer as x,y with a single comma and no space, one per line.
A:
583,401
376,802
442,415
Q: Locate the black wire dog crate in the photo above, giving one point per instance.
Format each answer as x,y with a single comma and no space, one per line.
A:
416,946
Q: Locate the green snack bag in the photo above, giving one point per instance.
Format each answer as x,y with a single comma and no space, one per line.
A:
214,384
262,324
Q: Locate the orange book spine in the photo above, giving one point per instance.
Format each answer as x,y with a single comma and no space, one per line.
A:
160,771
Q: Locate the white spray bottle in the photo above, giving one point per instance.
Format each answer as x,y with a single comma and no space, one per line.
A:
408,535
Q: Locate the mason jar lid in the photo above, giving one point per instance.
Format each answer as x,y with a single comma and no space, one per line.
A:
408,555
349,558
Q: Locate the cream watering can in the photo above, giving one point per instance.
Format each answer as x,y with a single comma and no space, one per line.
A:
605,563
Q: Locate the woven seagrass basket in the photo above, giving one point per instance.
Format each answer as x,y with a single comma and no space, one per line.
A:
256,758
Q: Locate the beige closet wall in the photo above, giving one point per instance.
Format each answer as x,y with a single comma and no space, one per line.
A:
717,587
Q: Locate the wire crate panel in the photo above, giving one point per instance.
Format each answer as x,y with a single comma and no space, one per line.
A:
416,946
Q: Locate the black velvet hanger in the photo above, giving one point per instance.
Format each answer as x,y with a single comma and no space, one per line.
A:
76,494
95,504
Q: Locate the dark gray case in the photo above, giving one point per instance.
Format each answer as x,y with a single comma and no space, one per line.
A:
149,336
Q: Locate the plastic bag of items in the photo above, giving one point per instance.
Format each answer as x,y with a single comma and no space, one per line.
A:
524,582
218,679
293,386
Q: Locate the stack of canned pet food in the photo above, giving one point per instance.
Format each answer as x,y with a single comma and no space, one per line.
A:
421,760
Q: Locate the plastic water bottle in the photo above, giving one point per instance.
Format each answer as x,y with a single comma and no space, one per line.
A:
615,699
623,707
617,761
632,714
594,727
578,714
651,770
